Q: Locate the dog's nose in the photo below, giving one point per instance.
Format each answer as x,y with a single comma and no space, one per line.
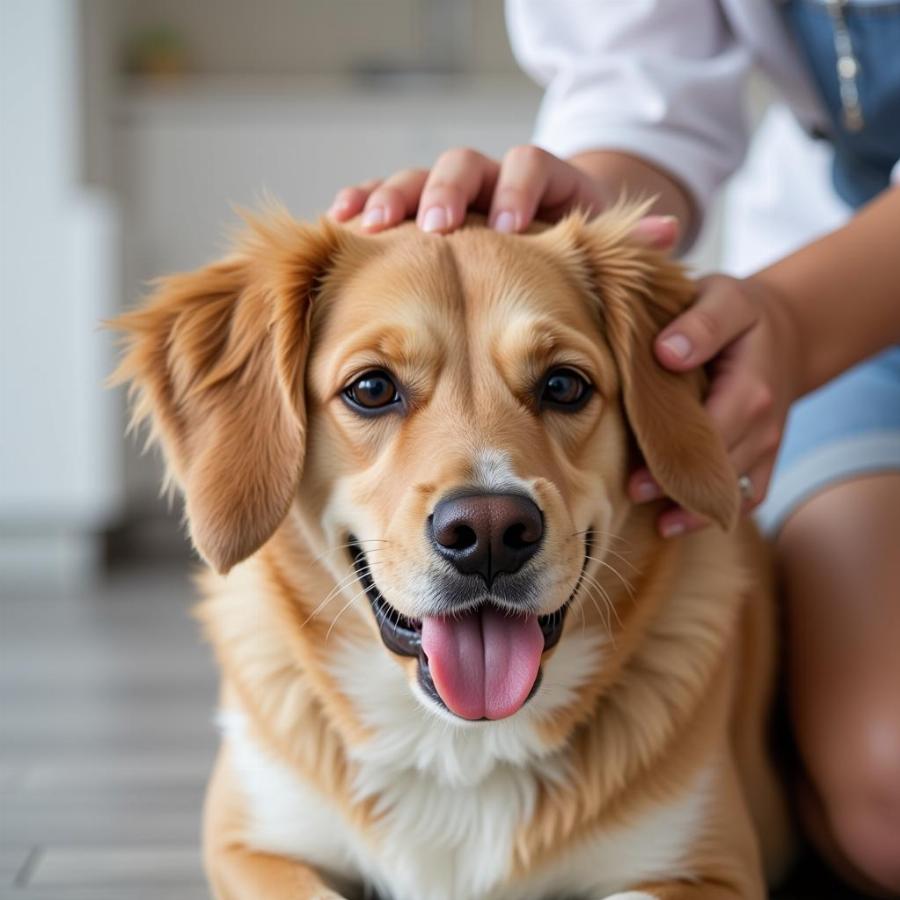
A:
487,534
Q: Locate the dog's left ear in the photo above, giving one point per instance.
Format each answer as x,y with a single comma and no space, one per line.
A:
216,361
639,292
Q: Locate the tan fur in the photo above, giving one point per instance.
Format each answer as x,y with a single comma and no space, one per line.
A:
240,368
235,870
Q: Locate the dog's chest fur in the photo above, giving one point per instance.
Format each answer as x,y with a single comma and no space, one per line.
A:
450,801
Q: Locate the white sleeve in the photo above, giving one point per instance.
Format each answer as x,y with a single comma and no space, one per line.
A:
662,79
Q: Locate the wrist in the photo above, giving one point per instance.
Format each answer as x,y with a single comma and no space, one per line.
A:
840,290
781,317
615,173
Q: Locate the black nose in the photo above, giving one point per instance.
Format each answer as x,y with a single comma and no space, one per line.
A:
486,534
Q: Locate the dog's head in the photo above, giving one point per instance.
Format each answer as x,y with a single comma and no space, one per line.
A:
456,414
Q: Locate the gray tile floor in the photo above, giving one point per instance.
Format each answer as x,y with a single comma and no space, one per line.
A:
106,739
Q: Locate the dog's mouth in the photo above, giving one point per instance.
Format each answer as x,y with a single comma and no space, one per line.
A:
481,663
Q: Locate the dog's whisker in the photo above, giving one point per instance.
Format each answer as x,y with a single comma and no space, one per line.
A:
637,573
602,611
626,583
382,616
629,587
349,545
603,615
625,545
624,559
605,562
609,608
343,609
359,571
340,586
611,535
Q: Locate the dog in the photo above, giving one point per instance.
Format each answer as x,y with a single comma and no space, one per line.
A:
457,661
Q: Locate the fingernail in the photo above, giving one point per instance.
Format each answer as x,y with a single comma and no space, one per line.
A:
647,490
505,222
673,528
341,203
650,225
678,345
435,219
373,216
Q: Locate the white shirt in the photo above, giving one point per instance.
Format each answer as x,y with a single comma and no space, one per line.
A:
665,80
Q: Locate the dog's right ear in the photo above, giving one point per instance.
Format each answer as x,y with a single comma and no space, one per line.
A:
216,360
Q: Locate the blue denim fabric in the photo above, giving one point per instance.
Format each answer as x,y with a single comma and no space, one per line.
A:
862,160
847,428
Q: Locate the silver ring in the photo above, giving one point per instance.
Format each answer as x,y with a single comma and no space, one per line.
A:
745,486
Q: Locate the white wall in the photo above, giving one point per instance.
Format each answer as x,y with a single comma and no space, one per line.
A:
59,459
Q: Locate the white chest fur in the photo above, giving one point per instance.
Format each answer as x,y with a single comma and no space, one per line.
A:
451,797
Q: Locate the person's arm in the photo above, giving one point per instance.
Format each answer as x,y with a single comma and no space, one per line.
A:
783,332
657,81
843,291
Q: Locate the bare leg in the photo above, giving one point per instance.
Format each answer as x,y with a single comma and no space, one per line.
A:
840,554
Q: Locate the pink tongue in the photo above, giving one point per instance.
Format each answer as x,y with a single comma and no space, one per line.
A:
484,664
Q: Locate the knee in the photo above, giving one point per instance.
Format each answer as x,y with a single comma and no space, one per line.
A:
860,793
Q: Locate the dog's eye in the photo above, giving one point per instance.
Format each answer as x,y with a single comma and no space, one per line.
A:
373,391
565,389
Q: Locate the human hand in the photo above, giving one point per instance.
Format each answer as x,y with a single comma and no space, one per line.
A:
745,331
529,183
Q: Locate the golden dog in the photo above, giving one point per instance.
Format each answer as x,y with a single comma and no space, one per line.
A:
457,662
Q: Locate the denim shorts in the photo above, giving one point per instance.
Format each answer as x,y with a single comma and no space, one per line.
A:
847,428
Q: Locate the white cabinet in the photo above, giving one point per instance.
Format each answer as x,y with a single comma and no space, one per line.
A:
191,155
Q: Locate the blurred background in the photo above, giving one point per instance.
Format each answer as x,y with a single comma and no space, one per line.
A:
130,131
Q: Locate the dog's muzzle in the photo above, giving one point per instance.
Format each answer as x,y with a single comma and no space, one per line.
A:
481,661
